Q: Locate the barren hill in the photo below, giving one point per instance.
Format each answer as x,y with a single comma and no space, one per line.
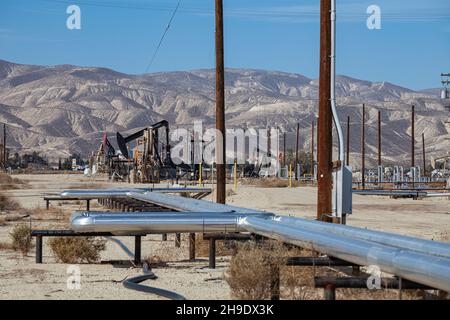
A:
57,110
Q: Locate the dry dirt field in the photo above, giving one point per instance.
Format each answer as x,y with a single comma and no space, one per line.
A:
21,278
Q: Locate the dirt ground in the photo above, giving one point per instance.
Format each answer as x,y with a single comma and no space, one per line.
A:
21,278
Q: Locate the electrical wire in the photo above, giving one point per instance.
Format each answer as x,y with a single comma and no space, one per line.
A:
163,36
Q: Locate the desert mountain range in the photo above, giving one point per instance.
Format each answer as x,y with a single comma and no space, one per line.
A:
59,110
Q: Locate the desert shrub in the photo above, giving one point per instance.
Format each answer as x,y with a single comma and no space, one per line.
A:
250,270
253,264
7,204
21,238
270,182
77,249
52,213
7,182
155,261
230,192
5,246
223,247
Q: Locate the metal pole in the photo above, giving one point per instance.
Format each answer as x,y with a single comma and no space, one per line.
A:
274,281
212,253
348,142
220,105
325,125
423,155
177,240
38,249
137,250
329,292
290,174
379,138
296,151
191,246
363,147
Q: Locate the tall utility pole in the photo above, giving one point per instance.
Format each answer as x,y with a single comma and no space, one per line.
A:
296,151
363,147
412,137
5,157
379,138
284,149
312,148
220,106
347,162
423,155
325,123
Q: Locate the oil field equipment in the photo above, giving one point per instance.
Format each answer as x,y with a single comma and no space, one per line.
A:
150,157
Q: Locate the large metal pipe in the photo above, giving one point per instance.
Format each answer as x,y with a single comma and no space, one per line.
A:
122,193
422,268
395,240
149,223
189,204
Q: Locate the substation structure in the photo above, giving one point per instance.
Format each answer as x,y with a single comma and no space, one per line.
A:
414,263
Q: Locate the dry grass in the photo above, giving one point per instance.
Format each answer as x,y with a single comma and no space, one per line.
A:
223,247
155,261
21,238
253,264
77,249
8,204
52,214
9,183
442,236
270,182
5,246
88,186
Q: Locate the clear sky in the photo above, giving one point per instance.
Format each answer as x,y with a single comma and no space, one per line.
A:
411,49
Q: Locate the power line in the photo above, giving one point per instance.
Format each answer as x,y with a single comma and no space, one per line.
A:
163,36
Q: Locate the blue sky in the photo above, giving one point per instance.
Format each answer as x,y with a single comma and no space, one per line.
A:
411,49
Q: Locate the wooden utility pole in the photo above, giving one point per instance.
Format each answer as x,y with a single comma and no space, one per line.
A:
347,162
379,138
413,142
363,147
312,148
220,106
325,123
296,151
5,156
423,155
284,149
